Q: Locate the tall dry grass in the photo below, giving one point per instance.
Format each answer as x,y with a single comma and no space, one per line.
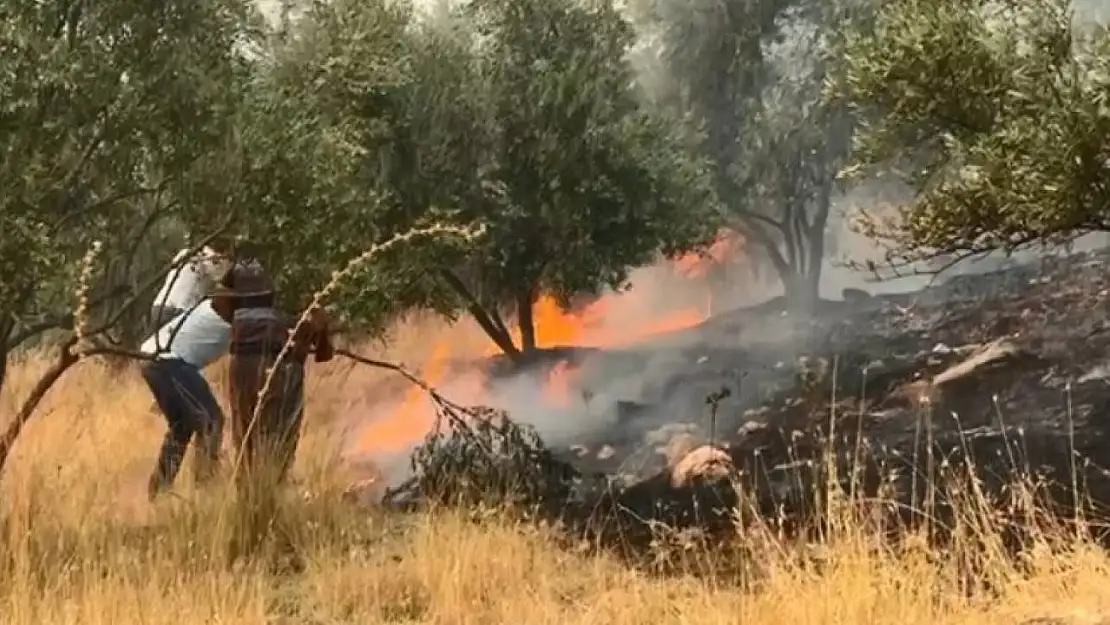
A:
79,543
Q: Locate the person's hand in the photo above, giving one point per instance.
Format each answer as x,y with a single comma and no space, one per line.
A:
320,324
319,318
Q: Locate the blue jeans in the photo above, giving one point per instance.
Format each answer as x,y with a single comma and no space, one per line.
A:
190,408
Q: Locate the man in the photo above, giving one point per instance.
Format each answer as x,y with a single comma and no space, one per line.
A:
180,350
188,283
259,331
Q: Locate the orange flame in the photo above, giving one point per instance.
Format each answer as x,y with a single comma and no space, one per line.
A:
726,249
611,321
392,435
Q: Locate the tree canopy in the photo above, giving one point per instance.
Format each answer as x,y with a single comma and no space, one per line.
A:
996,113
519,116
103,111
132,129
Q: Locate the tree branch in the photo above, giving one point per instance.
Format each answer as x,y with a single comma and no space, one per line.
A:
492,326
382,364
66,359
764,240
104,203
64,322
155,279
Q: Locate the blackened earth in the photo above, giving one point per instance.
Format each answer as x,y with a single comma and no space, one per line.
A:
1002,375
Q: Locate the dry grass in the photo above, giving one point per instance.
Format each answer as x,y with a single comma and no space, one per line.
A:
80,545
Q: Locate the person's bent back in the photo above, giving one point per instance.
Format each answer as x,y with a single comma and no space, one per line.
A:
180,349
189,282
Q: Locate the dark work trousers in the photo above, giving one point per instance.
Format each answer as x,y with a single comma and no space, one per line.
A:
190,408
270,444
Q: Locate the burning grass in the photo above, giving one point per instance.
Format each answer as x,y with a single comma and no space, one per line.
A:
80,545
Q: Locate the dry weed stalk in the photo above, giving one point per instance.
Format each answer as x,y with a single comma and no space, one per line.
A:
337,278
81,314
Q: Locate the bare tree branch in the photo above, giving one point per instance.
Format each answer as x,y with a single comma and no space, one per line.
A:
63,322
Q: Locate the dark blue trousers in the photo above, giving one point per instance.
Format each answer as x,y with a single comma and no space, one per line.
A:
190,408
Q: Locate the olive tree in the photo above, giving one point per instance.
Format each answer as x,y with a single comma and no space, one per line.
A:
995,112
746,78
104,110
521,117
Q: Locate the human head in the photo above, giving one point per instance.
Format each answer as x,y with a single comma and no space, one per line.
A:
223,245
244,285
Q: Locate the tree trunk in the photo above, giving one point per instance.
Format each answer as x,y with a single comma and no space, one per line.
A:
802,276
802,286
809,288
490,322
802,291
526,321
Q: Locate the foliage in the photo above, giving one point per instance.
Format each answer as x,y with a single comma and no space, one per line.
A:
747,76
997,114
518,116
586,183
478,457
351,124
103,109
325,161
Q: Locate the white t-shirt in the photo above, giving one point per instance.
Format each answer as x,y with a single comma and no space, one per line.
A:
198,336
188,284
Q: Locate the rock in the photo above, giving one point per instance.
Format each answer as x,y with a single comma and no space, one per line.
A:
679,447
750,428
706,462
996,353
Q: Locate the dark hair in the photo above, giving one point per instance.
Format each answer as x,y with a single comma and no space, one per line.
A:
222,244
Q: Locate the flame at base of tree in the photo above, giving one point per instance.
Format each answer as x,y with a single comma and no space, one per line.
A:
613,320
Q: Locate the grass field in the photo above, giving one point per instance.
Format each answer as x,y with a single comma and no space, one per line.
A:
80,545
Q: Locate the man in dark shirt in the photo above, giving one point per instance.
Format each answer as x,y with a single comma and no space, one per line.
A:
259,331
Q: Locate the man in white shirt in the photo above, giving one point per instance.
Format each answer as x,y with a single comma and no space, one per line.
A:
181,349
187,284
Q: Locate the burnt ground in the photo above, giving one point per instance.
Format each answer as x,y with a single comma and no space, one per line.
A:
1008,371
1049,319
1001,376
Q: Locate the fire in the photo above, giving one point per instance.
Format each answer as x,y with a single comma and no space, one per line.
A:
612,321
391,435
726,249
